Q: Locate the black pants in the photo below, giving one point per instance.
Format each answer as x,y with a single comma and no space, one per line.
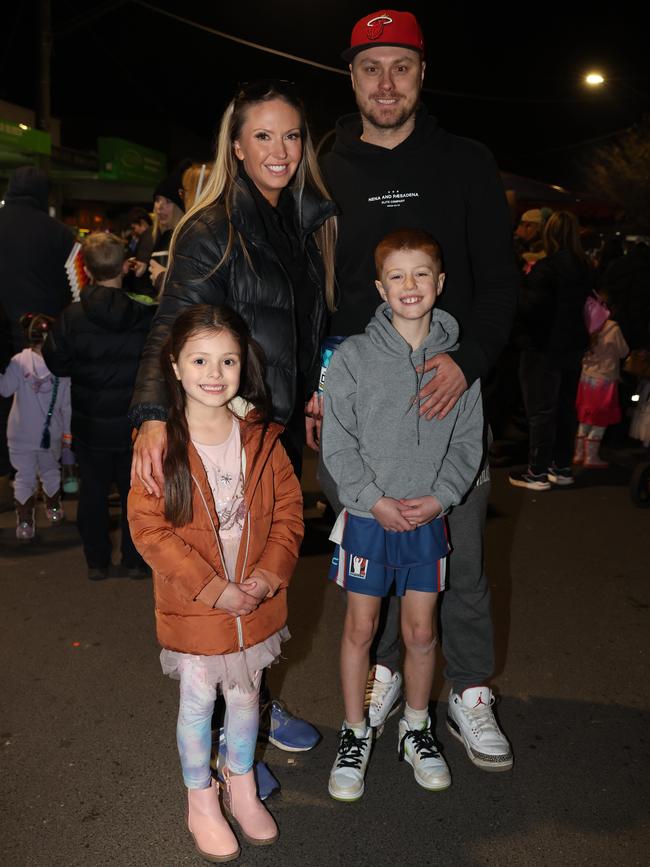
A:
98,469
549,397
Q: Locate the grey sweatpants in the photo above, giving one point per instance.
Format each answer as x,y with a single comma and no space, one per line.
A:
465,613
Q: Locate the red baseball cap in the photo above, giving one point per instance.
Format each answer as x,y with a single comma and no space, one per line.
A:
386,27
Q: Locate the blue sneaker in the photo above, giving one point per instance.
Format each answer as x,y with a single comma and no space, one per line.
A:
266,783
285,731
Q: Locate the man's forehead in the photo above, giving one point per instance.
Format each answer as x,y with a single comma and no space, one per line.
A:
386,54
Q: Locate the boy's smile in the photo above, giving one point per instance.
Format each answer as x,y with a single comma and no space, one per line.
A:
410,282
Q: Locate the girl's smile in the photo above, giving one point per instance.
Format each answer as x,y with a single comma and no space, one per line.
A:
209,369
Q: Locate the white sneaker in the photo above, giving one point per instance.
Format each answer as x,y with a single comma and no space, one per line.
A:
418,747
383,695
349,769
470,719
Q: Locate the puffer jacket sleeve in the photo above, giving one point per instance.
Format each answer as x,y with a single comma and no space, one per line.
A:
277,563
165,551
192,278
58,348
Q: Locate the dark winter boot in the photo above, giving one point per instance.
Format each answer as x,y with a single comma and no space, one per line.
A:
25,527
53,508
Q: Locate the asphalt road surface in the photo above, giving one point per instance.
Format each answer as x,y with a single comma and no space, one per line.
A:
90,773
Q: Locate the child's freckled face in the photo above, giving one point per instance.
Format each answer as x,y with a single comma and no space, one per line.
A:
410,282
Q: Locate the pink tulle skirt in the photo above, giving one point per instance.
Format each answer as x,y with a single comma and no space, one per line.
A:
227,669
597,402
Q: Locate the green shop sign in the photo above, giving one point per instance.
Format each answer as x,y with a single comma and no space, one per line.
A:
121,160
23,139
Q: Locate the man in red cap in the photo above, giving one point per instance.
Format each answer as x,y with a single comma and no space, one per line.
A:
393,167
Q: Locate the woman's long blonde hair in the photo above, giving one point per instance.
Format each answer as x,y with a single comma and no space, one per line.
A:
220,183
562,232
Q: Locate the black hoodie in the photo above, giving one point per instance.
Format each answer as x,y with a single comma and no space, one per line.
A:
447,185
33,251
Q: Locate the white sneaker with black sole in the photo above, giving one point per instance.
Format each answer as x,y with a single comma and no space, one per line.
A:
471,720
383,696
418,747
346,781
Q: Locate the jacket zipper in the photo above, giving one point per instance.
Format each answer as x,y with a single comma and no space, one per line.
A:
240,631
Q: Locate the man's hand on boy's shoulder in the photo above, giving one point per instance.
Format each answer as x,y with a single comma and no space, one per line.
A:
440,395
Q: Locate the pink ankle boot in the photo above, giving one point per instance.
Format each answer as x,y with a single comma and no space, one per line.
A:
213,836
254,820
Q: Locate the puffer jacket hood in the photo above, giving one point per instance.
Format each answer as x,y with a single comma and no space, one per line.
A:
108,309
28,185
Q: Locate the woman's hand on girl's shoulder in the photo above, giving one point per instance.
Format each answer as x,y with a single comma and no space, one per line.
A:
236,601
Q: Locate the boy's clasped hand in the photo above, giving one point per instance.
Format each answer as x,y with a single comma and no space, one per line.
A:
402,515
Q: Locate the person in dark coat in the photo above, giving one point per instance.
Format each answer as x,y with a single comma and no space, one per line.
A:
626,283
98,341
33,251
553,337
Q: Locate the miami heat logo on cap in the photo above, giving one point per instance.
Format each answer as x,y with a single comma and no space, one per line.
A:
376,26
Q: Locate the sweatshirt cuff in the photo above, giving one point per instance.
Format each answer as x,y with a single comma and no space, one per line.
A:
142,412
446,497
212,591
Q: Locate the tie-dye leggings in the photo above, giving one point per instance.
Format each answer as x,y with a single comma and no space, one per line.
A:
193,730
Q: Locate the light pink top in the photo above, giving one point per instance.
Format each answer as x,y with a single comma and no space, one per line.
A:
223,467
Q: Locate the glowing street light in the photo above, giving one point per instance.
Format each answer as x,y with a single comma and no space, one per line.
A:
594,79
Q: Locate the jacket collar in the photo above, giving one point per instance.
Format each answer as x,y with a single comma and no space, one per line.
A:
312,212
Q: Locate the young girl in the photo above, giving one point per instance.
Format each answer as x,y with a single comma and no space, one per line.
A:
597,402
222,542
38,426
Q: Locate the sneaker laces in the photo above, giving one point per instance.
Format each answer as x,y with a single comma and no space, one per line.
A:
482,719
351,749
423,743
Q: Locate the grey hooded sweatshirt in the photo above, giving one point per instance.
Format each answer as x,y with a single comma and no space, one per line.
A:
374,441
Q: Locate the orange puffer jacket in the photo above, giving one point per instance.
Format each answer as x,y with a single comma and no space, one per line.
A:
187,561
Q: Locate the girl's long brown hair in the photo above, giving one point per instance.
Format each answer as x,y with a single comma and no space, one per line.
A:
199,319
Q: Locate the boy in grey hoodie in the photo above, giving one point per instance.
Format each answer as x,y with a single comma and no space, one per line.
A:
397,478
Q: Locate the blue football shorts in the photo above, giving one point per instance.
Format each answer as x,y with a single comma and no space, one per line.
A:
371,560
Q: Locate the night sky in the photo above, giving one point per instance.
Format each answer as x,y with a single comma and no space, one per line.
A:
122,69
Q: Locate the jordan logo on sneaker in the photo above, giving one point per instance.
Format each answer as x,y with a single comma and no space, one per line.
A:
480,701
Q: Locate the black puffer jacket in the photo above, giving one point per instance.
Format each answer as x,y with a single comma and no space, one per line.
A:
98,342
261,294
550,316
